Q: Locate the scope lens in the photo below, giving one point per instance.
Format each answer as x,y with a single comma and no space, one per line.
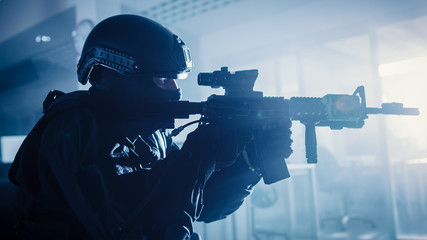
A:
208,79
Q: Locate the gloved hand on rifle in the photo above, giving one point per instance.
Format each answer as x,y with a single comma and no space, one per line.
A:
267,153
220,145
214,145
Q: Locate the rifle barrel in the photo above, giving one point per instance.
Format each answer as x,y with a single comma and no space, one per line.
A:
393,111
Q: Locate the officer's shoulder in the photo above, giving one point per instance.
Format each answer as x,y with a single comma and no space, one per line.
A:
57,102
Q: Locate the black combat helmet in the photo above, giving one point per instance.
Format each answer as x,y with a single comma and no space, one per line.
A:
134,45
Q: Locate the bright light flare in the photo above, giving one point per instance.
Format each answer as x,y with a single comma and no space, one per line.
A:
417,161
401,67
406,82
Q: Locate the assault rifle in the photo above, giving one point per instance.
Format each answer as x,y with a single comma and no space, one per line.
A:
251,112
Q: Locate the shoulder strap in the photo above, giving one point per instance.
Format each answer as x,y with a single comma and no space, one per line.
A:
57,102
50,98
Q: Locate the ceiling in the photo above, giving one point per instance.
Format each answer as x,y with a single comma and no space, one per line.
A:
200,17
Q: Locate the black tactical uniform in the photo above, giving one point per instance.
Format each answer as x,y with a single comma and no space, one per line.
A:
92,169
84,166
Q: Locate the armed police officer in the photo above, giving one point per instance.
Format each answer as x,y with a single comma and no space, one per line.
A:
94,168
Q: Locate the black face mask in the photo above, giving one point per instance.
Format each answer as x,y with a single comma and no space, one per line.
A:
156,93
132,87
131,95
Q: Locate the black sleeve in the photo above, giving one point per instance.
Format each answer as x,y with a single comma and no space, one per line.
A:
67,141
226,190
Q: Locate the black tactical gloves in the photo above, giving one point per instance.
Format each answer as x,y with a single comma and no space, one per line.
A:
213,144
263,148
271,146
